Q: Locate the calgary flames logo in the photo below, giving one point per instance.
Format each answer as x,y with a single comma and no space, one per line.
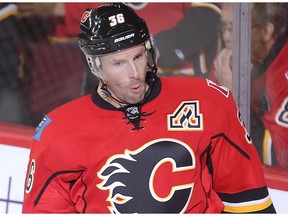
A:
137,181
85,16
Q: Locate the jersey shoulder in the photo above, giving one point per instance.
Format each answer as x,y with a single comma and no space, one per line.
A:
73,108
200,88
69,115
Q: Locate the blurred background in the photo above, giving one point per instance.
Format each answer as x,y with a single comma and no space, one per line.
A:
241,46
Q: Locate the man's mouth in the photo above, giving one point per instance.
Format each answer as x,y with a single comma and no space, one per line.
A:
136,89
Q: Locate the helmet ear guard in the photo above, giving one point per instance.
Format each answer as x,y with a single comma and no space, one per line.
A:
111,28
152,50
94,63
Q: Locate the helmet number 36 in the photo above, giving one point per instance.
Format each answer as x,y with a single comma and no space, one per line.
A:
115,19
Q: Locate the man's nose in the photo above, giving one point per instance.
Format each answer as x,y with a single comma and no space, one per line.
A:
134,73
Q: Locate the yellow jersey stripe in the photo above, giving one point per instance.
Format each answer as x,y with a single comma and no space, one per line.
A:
267,146
252,206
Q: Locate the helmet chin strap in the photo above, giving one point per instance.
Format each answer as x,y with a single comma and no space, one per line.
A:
122,103
105,90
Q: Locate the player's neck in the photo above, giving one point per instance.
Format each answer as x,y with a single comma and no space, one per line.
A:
109,99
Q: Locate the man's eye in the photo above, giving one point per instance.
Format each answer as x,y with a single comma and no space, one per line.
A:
118,63
139,56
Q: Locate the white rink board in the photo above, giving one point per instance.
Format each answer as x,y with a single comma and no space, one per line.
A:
13,170
280,200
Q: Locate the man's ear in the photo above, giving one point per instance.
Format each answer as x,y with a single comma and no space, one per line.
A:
268,32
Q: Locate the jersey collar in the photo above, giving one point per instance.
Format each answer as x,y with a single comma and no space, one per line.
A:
100,102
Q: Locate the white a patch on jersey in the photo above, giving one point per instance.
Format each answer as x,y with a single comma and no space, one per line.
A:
186,117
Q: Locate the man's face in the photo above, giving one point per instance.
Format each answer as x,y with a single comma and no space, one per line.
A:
124,73
259,45
258,50
227,24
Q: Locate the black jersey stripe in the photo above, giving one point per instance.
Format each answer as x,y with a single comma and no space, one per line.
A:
49,181
83,198
232,144
245,196
254,200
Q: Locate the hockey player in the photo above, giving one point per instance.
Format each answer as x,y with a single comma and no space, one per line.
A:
141,144
269,92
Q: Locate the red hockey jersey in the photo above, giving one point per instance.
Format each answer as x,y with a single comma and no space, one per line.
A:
276,119
188,152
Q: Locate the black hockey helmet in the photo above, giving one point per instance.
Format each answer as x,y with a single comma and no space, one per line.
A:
110,28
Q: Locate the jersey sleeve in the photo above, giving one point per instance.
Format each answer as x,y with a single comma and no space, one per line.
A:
238,176
49,177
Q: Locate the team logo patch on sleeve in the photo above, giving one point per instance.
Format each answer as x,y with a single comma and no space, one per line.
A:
186,117
45,121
